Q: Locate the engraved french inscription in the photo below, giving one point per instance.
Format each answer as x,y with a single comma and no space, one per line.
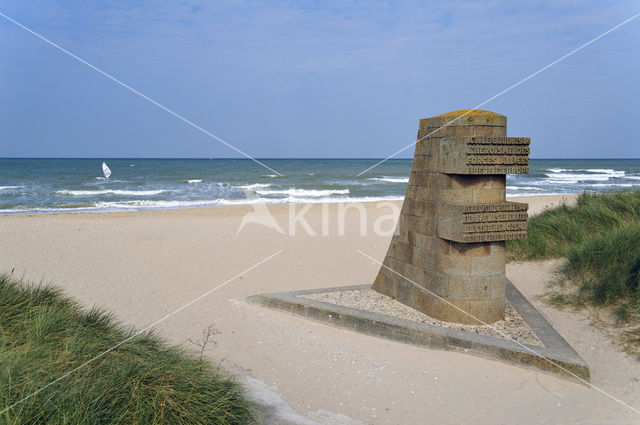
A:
497,160
499,140
484,155
508,226
501,207
498,169
494,237
501,216
497,150
482,222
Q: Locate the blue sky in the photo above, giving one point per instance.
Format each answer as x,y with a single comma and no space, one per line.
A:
311,78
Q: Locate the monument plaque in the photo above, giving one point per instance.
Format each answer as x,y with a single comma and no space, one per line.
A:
482,223
484,155
455,220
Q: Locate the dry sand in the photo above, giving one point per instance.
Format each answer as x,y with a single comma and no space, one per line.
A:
143,265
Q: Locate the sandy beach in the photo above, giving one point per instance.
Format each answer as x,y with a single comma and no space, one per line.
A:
143,265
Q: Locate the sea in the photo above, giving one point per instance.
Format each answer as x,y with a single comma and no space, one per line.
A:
78,185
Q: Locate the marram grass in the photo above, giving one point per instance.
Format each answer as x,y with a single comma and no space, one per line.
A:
600,237
43,335
607,265
553,232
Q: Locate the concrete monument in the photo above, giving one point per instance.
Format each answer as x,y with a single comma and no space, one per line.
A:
450,242
454,222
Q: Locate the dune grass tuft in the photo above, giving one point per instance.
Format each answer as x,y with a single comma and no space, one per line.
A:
600,237
553,232
44,334
607,265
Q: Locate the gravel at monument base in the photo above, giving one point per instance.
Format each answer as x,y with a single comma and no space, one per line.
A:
512,327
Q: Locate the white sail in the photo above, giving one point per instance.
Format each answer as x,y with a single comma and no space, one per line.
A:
106,170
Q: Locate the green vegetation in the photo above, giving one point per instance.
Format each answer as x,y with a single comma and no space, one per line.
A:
553,232
600,237
44,335
607,265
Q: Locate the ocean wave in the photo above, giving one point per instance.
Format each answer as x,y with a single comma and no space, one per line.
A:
613,185
296,200
511,195
304,192
147,204
589,170
604,170
254,186
391,179
194,181
74,206
523,188
111,192
152,205
631,177
573,178
10,187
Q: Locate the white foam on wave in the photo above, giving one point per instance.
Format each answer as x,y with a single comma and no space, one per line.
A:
612,185
593,175
632,177
589,170
255,186
194,181
141,204
391,179
512,195
10,187
150,205
603,170
304,192
337,200
523,188
111,192
147,204
572,178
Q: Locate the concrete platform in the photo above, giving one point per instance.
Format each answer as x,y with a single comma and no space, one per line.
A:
555,355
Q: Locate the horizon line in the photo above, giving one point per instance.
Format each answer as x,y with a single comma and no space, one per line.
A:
98,158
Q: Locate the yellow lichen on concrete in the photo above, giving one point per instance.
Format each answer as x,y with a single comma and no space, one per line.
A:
469,112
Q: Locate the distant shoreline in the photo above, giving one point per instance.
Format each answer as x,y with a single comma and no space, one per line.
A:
99,158
536,203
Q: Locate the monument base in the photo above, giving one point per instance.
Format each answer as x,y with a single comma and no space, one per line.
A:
487,311
551,353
